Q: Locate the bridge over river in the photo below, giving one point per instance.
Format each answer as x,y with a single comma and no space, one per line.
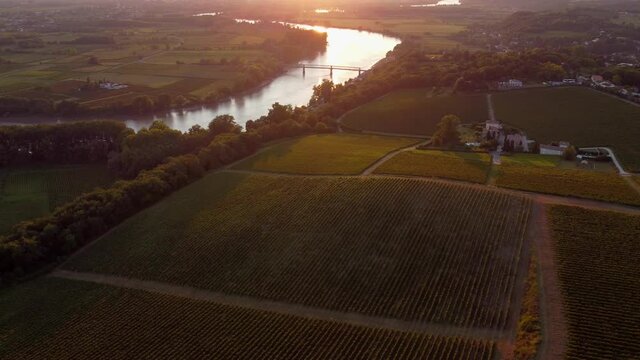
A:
304,68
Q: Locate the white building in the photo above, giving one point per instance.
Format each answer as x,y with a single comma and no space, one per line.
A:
557,150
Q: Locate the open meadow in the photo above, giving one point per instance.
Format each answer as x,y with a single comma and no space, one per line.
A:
472,167
598,270
60,319
344,154
582,116
412,250
30,192
548,174
415,111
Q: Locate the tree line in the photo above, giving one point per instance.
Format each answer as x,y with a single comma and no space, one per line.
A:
158,161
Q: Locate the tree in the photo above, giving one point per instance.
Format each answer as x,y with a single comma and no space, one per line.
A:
322,93
570,153
180,101
447,131
163,102
224,124
142,105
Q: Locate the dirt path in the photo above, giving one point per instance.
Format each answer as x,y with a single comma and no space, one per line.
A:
613,157
492,113
368,171
554,328
280,307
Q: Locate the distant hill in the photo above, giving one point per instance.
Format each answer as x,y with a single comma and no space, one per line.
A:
550,4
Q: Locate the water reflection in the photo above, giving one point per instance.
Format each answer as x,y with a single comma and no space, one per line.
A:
345,47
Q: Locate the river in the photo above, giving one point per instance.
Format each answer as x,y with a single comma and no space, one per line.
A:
344,47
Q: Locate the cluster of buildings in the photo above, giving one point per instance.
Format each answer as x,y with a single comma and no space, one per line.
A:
107,85
517,141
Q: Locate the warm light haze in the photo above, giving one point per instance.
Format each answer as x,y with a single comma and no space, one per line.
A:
320,179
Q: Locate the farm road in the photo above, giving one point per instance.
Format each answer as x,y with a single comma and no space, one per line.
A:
554,328
492,113
279,307
377,164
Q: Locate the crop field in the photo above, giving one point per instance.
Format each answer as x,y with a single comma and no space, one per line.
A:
472,167
598,268
344,154
579,115
516,173
150,60
434,34
61,319
31,192
406,249
415,112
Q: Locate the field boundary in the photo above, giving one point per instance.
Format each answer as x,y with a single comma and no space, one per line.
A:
283,308
554,328
541,197
371,168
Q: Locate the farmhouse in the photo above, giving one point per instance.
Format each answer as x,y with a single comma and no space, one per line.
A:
492,129
518,142
511,84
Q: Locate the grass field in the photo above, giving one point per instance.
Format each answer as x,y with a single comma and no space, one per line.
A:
31,192
415,112
343,154
472,167
545,174
61,319
406,249
599,272
582,116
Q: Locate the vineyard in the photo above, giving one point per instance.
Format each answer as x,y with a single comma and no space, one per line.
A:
84,321
605,186
405,249
582,116
598,268
26,193
472,167
325,154
415,112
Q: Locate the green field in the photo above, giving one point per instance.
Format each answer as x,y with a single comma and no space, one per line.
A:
415,111
343,154
432,33
405,249
60,319
547,174
597,254
472,167
26,193
582,116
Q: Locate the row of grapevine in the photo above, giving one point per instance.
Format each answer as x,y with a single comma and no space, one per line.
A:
128,324
597,254
405,249
472,167
604,186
